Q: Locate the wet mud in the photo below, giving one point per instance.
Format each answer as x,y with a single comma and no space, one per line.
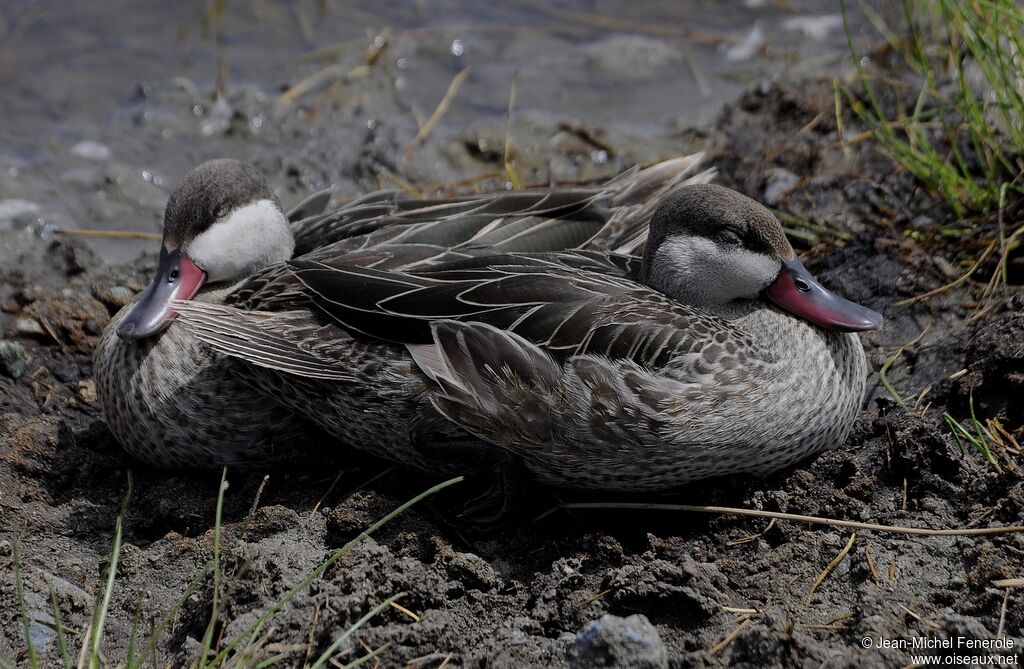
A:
574,588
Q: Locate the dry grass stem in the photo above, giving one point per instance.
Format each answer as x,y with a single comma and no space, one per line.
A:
401,609
113,234
729,638
439,112
814,520
831,565
590,600
330,489
754,537
953,284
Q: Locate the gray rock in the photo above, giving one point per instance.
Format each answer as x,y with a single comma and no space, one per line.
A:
29,327
631,55
87,178
91,150
475,571
922,222
16,214
778,183
40,631
627,643
114,296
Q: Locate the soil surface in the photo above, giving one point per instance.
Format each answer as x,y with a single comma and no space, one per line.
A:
576,588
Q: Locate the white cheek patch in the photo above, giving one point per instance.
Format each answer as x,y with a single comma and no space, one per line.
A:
250,238
698,271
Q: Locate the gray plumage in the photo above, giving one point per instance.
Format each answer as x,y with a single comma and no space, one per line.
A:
249,372
599,382
595,379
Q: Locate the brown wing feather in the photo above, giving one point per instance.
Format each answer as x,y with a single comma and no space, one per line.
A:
544,298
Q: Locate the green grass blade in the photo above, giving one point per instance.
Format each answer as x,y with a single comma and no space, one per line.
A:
884,378
270,661
983,446
215,608
980,44
369,656
173,613
19,588
961,434
134,635
955,427
62,641
100,619
326,655
324,566
95,633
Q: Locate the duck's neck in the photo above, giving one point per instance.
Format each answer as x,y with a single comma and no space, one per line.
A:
784,335
814,376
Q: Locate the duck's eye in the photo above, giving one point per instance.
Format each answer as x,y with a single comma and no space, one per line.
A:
802,285
173,276
730,237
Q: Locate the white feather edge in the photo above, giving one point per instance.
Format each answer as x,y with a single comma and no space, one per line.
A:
205,322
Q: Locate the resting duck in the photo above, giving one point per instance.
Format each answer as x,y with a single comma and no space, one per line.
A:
173,401
715,353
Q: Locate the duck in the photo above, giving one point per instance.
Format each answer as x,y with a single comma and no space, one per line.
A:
714,352
174,401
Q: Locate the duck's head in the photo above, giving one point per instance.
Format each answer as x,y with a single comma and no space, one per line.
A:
222,224
709,246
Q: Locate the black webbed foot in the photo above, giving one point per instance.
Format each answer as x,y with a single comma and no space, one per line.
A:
497,476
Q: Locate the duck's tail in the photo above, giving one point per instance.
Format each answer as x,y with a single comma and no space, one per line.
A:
484,373
572,424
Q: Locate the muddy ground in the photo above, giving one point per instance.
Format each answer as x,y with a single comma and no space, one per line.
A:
711,589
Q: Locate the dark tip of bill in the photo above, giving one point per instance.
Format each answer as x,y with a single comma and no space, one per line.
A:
126,330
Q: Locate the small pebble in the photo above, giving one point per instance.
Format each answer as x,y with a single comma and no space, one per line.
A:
87,391
922,222
114,296
611,641
91,150
13,358
817,28
15,213
777,184
29,327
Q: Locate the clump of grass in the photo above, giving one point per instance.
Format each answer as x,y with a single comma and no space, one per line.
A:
975,436
964,134
244,650
251,635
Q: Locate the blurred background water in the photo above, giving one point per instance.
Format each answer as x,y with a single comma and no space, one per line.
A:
105,104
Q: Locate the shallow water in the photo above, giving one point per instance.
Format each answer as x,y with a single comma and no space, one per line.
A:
105,104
